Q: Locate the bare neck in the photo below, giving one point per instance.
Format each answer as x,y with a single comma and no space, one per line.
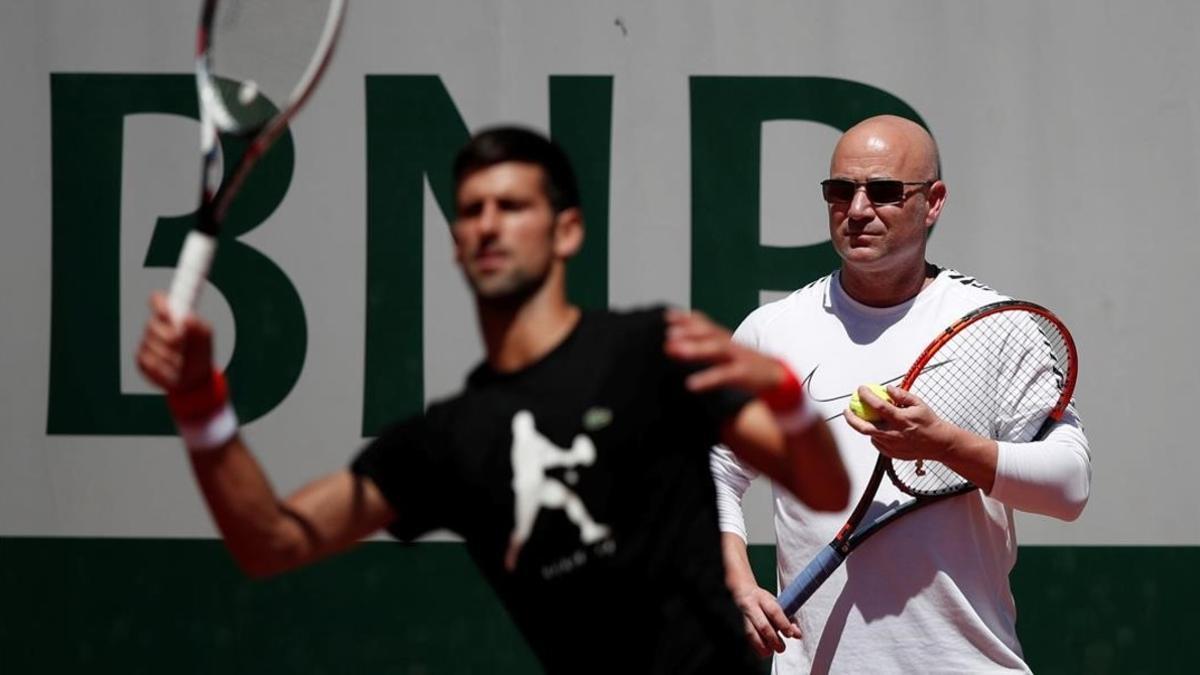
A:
886,288
518,334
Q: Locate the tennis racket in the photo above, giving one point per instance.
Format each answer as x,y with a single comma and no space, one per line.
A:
1005,371
246,52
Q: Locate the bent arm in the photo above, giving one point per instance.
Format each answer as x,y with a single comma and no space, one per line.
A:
1050,477
265,534
268,535
805,461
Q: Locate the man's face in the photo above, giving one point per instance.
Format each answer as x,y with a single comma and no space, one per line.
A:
504,232
881,237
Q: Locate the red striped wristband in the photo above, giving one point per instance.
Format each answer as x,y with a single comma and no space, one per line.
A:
788,403
200,401
785,395
203,415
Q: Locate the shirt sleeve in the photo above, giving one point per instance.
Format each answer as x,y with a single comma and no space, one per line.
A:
401,463
1051,477
731,478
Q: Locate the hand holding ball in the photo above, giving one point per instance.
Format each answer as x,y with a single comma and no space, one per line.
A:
863,410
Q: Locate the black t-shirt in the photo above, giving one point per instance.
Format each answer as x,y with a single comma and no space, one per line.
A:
587,473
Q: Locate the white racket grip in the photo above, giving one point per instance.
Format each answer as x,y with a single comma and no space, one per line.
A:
190,272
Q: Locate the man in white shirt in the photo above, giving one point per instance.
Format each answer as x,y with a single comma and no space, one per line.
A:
929,593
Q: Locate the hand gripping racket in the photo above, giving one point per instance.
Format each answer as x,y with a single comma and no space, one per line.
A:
1005,371
247,51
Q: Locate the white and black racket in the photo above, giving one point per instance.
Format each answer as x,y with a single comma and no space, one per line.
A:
257,62
1005,371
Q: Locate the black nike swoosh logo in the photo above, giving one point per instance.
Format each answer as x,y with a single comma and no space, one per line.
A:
814,397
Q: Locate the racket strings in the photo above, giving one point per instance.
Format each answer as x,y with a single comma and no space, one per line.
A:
999,377
260,52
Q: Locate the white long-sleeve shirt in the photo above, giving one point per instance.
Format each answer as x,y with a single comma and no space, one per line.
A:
930,592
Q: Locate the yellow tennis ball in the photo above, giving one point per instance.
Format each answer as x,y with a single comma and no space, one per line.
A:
864,411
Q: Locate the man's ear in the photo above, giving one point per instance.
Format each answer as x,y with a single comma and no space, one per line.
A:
936,199
568,232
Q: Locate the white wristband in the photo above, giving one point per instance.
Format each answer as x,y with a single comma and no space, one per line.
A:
799,418
209,433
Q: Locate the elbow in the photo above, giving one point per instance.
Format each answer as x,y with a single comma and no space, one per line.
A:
828,492
836,497
1066,510
256,566
1048,478
843,492
265,557
828,503
1065,503
826,483
1071,505
256,573
1076,499
1072,514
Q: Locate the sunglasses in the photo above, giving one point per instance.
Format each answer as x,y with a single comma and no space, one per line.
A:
879,192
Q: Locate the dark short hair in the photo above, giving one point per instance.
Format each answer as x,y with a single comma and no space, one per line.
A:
516,144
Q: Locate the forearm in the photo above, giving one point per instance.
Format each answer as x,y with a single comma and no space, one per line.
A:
260,532
1051,477
973,457
805,461
818,468
738,573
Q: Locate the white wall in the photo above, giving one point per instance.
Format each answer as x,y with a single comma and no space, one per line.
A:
1070,135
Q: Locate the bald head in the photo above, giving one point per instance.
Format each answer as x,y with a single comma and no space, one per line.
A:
906,146
882,243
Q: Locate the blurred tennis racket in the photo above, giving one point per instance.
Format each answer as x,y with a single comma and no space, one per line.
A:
1004,371
249,54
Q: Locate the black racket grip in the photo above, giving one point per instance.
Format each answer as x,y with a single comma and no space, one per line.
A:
810,579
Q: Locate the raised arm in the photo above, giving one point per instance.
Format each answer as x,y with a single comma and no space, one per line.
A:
775,433
265,534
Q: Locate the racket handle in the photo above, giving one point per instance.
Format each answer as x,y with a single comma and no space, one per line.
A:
810,579
190,272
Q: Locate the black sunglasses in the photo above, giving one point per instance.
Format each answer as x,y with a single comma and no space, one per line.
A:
879,192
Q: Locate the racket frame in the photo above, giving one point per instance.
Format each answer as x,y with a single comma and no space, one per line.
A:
216,194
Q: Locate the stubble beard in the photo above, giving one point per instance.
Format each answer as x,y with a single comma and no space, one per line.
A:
509,290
